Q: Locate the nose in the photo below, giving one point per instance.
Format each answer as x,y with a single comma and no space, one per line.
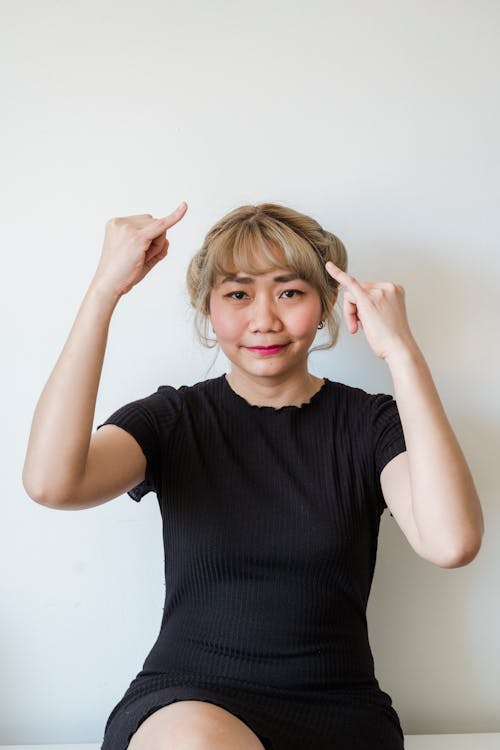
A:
264,316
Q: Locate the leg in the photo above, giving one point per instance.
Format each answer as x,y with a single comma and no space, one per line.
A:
193,725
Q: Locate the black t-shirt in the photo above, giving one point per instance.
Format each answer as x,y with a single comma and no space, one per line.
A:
270,528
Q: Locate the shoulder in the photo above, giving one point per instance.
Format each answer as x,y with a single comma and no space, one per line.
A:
355,399
200,396
366,416
185,392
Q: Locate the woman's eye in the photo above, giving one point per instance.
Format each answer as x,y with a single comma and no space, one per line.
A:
231,295
289,293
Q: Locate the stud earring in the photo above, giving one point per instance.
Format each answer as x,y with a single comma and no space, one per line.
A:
321,325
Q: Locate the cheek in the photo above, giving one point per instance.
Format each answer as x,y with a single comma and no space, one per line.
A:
302,321
226,325
226,328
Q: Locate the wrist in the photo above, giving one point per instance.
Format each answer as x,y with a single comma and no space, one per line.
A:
101,290
405,353
102,294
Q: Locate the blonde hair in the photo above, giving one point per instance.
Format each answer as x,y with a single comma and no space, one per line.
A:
272,229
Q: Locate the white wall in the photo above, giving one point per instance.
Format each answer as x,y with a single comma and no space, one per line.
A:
381,119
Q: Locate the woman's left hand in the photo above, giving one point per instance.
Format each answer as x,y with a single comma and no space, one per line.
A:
379,308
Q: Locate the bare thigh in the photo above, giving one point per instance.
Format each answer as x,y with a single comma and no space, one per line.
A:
193,725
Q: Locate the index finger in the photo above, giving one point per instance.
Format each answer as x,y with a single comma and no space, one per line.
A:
159,226
175,216
347,281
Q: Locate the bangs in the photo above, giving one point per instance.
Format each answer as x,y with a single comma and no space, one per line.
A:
258,248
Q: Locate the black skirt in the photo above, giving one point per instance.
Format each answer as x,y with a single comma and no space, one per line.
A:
360,718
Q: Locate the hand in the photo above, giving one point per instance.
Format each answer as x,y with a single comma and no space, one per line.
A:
378,307
133,245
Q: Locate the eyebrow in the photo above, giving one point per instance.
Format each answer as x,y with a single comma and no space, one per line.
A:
250,280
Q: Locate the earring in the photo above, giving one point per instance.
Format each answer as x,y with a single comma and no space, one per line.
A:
322,323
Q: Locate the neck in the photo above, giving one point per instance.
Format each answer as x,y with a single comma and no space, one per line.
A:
276,391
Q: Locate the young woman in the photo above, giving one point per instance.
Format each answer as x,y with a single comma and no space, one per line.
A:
270,481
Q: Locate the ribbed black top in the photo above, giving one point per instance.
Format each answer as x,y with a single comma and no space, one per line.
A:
270,527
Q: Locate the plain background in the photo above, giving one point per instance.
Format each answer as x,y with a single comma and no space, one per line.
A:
381,120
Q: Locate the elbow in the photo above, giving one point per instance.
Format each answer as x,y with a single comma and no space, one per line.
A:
462,545
33,491
40,495
41,498
461,557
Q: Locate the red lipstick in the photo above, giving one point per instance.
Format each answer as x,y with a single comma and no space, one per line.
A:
262,350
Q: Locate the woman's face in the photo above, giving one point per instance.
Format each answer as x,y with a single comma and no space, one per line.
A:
273,309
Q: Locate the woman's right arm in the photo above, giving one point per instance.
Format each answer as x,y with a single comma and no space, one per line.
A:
66,466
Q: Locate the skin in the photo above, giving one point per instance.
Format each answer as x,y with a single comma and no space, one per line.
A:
262,312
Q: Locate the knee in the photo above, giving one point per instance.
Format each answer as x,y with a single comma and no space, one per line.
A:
194,725
201,727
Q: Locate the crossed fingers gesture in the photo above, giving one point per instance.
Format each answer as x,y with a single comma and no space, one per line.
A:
378,307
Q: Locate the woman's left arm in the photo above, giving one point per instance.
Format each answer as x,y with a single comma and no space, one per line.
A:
446,521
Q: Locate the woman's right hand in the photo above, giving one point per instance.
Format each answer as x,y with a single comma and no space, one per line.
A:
132,246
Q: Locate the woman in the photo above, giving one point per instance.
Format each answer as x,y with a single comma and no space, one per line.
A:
271,483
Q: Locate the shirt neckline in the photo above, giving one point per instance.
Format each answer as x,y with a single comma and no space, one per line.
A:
271,409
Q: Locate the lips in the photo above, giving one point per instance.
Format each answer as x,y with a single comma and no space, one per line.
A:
266,351
265,348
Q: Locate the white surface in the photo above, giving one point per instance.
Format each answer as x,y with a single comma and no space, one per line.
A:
453,742
380,119
412,742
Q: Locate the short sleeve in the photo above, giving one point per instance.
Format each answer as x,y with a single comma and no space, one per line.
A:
387,437
150,421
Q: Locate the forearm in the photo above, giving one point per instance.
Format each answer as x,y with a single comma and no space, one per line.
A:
62,422
446,508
